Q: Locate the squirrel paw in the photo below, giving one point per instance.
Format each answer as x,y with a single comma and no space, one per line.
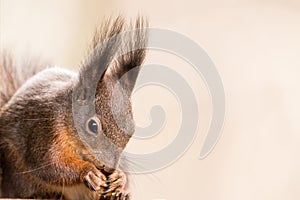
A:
120,195
116,181
116,186
94,179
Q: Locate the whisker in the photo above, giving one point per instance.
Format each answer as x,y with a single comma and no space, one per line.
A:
36,169
35,119
136,165
63,190
44,165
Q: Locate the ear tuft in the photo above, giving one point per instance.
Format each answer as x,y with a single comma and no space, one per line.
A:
117,52
126,66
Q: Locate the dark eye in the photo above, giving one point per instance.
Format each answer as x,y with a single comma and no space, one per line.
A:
93,125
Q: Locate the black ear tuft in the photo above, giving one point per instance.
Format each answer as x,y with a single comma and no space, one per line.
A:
117,52
131,56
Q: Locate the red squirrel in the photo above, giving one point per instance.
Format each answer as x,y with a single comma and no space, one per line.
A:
51,143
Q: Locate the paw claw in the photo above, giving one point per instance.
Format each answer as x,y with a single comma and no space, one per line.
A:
94,179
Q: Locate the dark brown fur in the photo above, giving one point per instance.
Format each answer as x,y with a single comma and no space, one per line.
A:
42,152
12,75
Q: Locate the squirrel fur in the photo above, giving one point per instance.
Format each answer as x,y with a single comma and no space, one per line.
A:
46,152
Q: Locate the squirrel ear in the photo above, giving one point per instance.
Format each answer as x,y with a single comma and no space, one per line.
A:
117,53
126,66
129,56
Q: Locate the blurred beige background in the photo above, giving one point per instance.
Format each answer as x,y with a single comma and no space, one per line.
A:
255,46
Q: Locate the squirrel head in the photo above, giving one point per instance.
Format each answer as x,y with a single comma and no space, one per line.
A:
101,106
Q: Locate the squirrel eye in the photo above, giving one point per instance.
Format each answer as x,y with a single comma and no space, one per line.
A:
92,125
